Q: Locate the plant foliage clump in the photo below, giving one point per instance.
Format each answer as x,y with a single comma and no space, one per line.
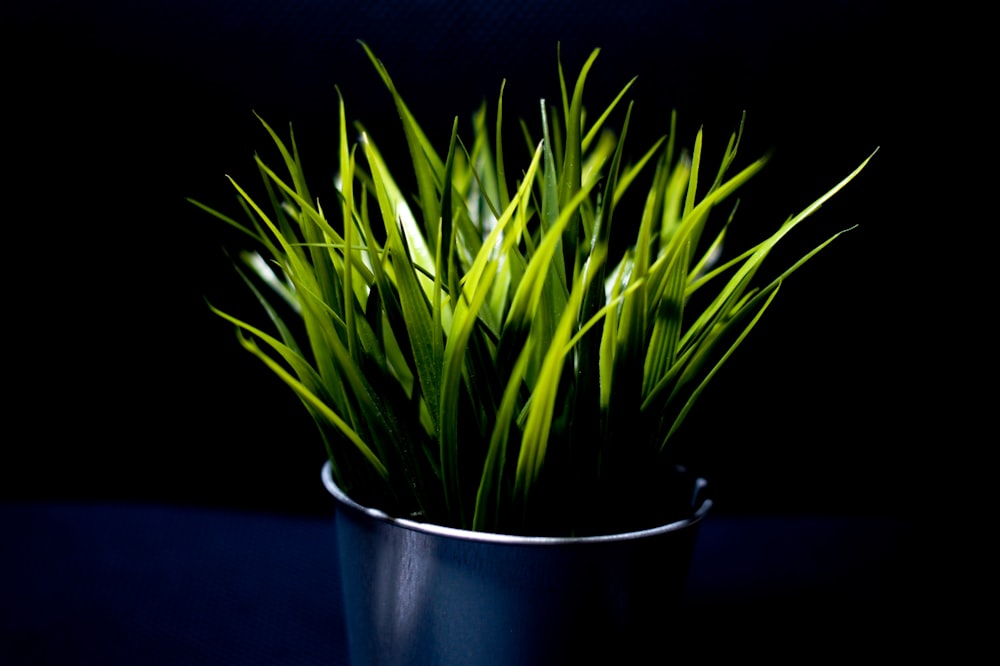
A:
474,355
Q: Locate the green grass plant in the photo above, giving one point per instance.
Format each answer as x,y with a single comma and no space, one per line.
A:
475,355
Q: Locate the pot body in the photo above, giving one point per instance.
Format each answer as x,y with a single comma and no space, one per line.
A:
416,593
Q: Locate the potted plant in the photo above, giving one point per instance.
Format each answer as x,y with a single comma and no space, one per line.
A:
497,374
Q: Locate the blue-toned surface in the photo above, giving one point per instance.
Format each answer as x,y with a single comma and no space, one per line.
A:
153,585
109,584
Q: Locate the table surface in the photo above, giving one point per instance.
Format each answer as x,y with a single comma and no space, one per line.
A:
149,584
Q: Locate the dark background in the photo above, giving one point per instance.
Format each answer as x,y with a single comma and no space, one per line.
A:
121,386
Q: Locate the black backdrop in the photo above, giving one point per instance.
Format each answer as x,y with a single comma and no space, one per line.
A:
122,386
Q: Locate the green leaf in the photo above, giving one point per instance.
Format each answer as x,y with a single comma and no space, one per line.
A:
427,166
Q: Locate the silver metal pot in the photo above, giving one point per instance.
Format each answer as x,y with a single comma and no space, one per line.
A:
416,593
